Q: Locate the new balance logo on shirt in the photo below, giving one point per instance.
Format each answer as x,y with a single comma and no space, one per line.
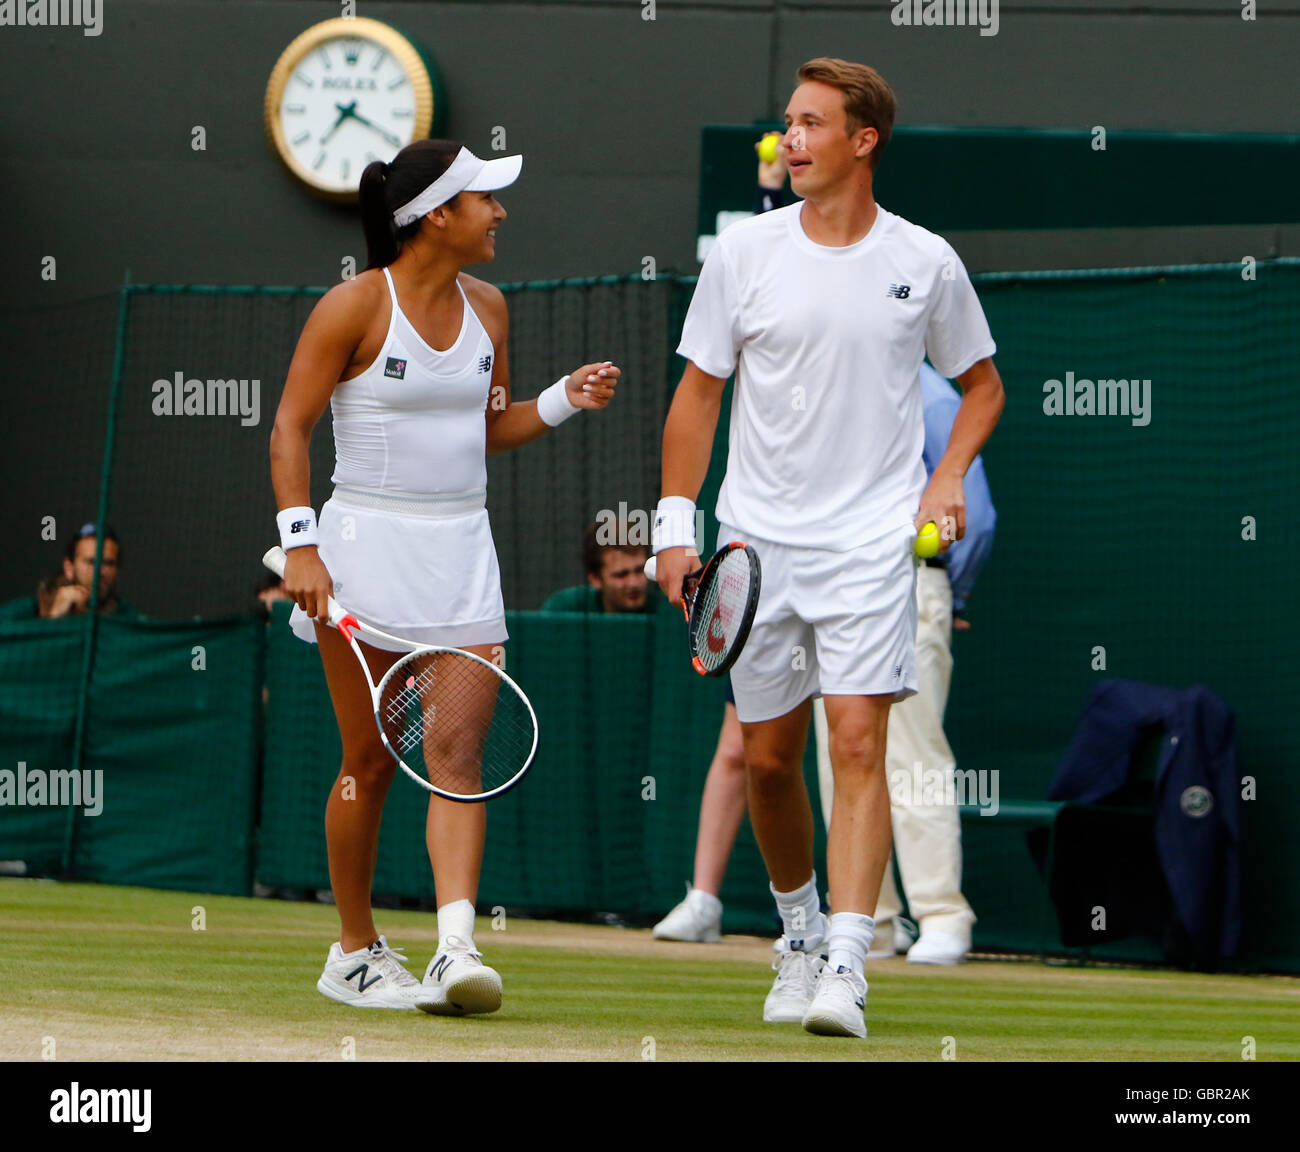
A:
363,984
899,291
485,364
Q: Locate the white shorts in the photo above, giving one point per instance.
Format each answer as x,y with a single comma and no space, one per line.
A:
421,567
828,623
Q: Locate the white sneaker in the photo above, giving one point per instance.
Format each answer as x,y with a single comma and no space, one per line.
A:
697,919
459,981
839,1006
792,990
938,948
371,977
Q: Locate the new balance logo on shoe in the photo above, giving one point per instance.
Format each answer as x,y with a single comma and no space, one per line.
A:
858,1000
363,984
439,965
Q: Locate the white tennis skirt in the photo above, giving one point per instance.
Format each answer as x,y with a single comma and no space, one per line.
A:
421,567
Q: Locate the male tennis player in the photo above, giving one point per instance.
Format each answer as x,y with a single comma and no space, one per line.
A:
411,358
825,310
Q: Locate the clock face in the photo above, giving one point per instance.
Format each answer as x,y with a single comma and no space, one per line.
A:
345,93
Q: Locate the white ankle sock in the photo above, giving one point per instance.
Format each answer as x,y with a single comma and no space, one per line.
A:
848,938
801,916
456,919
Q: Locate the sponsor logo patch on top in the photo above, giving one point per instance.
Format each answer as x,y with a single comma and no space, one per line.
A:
395,368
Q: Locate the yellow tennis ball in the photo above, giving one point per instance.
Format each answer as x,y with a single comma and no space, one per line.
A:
927,540
767,149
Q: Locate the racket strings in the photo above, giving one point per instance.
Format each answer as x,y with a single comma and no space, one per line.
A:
456,721
720,605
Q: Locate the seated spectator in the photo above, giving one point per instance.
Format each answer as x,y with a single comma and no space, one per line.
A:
616,580
68,592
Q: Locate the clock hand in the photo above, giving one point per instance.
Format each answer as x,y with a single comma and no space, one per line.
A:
396,141
345,110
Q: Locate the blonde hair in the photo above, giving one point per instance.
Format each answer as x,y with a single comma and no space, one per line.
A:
869,101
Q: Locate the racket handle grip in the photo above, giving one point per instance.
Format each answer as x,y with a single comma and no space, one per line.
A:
275,561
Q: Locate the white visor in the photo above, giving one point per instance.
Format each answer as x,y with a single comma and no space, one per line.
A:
467,174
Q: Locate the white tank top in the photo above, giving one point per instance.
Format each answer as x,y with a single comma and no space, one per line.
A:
415,420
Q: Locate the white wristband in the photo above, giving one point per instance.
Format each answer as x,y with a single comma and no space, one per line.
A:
674,525
297,528
553,404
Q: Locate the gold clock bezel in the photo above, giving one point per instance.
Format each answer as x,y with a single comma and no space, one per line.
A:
340,27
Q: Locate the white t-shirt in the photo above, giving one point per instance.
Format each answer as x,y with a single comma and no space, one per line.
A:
827,343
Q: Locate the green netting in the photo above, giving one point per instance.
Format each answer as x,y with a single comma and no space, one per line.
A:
300,761
189,491
174,725
169,766
56,376
40,666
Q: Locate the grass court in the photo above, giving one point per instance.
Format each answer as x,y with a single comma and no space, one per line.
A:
123,975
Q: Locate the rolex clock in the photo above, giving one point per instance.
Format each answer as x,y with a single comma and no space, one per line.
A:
346,92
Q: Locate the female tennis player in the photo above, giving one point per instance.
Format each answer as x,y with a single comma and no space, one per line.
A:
411,357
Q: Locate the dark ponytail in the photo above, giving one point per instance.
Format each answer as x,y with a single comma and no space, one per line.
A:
386,187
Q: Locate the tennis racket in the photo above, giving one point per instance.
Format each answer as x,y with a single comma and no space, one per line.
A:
719,602
455,723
